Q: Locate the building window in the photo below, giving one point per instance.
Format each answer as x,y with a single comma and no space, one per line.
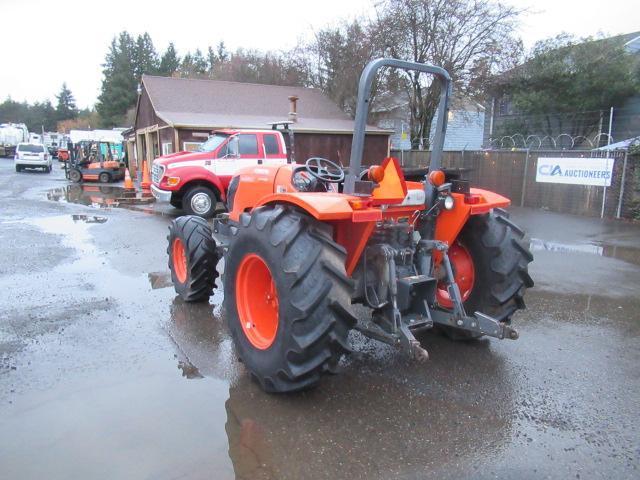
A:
504,106
271,144
191,146
167,148
248,144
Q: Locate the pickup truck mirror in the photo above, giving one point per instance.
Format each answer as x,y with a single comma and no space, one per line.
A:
232,147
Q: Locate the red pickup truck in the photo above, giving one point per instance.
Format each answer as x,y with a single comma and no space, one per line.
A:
196,181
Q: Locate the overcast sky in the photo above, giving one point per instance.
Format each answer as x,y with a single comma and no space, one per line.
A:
47,42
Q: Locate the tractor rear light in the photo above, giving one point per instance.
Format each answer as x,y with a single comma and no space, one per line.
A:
436,178
173,181
449,202
472,199
359,204
376,173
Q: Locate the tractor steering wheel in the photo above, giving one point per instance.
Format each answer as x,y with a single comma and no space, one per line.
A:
325,170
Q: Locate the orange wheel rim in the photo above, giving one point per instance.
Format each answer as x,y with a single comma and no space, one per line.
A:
464,273
257,301
179,260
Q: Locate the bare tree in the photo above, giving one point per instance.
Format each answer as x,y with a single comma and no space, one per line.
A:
338,55
471,39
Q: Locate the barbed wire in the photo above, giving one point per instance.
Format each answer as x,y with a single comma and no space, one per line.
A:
562,141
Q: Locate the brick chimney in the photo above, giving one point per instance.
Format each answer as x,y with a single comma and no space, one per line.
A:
293,108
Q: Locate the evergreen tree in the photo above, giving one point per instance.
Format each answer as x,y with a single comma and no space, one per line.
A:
212,60
223,55
119,84
199,62
170,62
66,108
193,65
146,57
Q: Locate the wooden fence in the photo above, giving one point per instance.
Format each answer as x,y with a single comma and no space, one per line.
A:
513,174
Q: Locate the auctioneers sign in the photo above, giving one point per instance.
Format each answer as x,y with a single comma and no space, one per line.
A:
575,171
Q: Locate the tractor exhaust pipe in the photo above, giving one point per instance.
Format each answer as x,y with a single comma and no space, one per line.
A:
362,112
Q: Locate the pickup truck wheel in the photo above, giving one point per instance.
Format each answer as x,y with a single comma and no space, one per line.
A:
176,202
200,201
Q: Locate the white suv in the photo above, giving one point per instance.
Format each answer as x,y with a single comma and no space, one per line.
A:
32,155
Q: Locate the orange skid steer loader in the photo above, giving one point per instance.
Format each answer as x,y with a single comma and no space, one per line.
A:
302,243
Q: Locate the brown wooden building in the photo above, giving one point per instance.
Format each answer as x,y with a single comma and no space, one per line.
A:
175,114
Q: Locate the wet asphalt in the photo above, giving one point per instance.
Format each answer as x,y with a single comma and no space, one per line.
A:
105,373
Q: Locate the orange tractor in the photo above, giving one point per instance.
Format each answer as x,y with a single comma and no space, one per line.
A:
303,243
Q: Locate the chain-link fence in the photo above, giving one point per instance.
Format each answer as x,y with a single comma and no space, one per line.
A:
513,174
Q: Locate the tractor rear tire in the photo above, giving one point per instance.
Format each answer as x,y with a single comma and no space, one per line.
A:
500,261
193,258
287,298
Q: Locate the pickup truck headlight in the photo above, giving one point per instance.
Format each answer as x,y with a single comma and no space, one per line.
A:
173,181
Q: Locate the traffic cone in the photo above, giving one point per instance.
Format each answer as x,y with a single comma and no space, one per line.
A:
128,183
146,181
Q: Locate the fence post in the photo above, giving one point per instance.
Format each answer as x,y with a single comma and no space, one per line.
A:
604,192
624,174
524,178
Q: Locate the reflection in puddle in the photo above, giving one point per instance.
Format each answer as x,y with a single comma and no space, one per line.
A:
160,280
99,196
203,345
406,427
189,370
626,254
88,218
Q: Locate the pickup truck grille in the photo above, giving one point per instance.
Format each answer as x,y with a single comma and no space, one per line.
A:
156,173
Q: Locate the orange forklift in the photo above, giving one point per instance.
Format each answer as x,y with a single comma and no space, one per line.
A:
93,161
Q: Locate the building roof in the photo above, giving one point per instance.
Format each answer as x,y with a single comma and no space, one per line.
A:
623,145
199,103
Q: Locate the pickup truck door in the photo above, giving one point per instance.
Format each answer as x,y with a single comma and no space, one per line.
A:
273,149
239,151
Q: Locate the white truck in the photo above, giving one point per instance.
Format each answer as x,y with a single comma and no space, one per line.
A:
54,141
11,134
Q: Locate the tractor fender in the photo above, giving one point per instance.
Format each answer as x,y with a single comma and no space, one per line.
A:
322,206
478,202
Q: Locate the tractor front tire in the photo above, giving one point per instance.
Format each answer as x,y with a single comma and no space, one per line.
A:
287,298
193,258
500,260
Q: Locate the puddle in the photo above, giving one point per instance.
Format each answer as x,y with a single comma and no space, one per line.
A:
88,218
626,254
99,196
160,280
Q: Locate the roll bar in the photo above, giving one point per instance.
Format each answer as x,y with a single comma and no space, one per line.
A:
362,112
